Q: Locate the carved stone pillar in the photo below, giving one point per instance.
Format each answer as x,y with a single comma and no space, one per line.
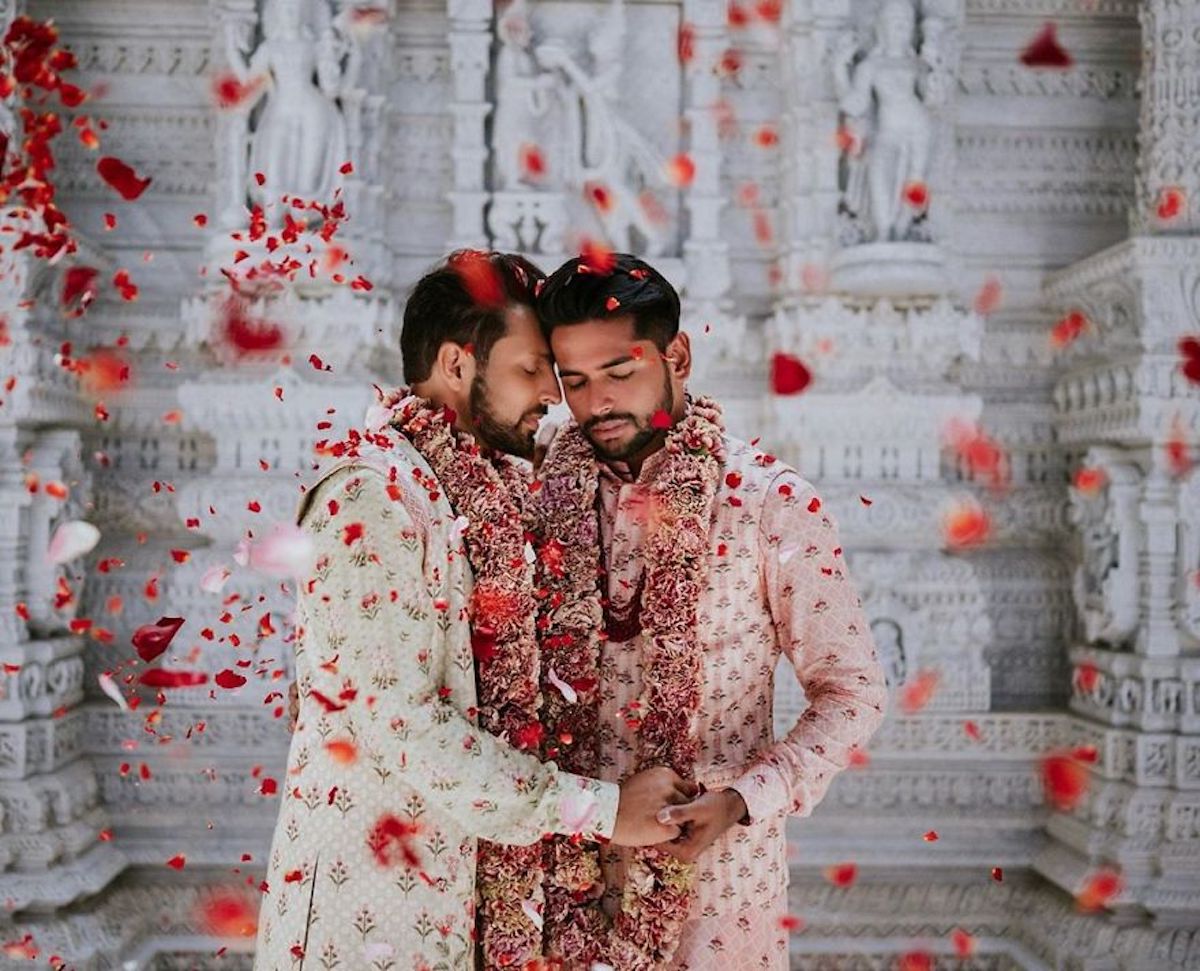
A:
51,820
1128,413
470,59
708,310
1168,176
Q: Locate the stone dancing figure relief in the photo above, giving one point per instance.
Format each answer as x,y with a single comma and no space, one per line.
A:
884,93
298,141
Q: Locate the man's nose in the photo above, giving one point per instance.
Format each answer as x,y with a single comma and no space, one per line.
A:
549,393
599,402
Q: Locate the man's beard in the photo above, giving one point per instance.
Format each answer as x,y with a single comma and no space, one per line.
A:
645,433
495,434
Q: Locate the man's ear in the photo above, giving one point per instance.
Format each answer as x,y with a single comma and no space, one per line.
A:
455,366
678,355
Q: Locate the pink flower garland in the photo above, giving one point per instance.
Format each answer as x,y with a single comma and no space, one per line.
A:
657,892
562,878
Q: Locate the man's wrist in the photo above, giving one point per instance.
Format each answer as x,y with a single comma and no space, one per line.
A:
739,812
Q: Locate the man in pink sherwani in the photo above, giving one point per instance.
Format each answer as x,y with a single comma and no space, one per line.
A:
776,582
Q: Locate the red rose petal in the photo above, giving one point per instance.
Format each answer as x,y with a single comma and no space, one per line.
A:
842,874
1065,780
916,693
789,375
151,640
121,177
1045,50
1099,888
229,679
162,678
661,420
177,862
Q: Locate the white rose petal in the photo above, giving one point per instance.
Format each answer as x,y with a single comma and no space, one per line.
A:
567,691
71,540
786,553
530,555
110,689
531,912
287,551
214,578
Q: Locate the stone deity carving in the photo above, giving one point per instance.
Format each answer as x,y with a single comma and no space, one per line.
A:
885,93
298,141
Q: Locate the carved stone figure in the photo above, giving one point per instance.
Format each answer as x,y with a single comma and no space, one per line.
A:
298,141
546,97
883,93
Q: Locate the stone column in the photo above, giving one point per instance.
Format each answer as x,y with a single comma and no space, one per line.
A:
1126,411
51,819
470,105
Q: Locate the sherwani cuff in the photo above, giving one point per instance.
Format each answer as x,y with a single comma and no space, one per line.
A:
765,792
587,806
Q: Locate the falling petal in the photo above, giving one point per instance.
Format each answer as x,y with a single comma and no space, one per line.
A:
1065,780
230,913
109,688
681,171
964,943
286,552
1045,50
1189,350
228,679
566,690
966,524
916,194
987,300
79,288
151,640
162,678
214,578
842,874
917,692
1172,201
1089,481
342,751
789,375
1099,888
121,177
480,277
72,540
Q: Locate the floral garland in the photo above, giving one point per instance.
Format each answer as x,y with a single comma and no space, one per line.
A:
487,491
657,892
554,706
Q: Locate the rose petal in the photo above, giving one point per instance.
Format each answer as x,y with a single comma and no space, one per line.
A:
151,640
121,177
72,540
567,691
110,689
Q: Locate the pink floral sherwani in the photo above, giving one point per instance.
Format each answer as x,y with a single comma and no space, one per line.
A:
777,583
387,742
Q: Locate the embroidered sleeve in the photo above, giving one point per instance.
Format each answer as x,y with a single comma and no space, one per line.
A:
824,633
376,635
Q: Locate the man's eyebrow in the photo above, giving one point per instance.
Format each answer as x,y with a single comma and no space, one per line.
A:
623,359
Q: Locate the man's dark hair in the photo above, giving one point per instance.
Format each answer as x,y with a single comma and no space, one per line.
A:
463,300
578,291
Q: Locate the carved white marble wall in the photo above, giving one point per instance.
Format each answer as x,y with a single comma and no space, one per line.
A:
1133,421
1029,172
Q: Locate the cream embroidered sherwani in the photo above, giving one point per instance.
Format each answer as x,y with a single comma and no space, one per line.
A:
383,636
777,584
